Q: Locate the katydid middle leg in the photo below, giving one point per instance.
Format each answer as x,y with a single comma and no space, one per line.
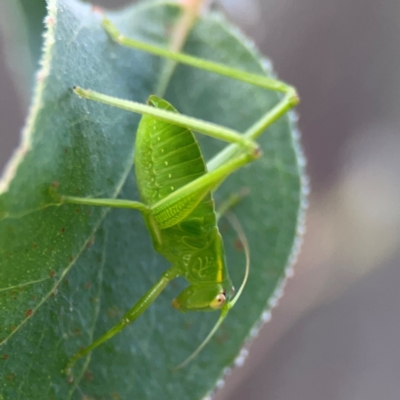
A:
115,203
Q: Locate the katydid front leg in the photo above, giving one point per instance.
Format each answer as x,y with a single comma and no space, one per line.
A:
135,312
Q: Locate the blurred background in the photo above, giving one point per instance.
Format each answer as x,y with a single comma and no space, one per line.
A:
336,332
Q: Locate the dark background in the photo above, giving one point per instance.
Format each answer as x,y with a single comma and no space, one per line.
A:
336,332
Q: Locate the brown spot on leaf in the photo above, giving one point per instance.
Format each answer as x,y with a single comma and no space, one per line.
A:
224,227
187,325
89,375
113,312
222,338
238,245
54,293
28,313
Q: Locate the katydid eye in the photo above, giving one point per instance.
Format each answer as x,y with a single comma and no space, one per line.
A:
219,301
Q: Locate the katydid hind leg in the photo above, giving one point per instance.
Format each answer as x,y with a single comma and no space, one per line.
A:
217,68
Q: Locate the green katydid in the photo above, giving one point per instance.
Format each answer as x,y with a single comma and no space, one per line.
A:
175,186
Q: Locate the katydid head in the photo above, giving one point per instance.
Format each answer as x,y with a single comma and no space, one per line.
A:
204,296
228,302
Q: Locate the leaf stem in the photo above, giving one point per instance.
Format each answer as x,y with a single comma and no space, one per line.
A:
190,12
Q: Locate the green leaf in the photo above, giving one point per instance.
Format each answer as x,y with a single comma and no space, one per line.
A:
68,273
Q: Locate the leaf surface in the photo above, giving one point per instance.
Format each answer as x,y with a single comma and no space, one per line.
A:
68,273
